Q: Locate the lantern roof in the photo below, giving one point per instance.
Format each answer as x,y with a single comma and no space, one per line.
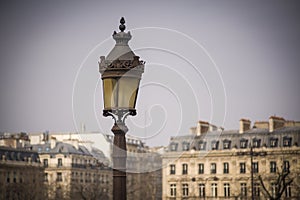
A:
121,57
121,49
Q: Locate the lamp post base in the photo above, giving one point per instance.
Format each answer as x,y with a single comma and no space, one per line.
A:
119,161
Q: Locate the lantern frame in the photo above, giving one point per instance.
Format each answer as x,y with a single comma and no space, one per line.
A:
118,70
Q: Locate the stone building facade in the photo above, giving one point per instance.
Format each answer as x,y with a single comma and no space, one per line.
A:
72,171
211,163
21,173
143,166
51,169
63,166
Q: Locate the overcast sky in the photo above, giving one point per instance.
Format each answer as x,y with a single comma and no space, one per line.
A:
216,61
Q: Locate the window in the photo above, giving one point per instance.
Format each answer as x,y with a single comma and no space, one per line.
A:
214,190
201,168
173,190
226,144
202,145
243,168
287,141
7,177
185,190
59,162
273,142
286,166
201,190
213,168
243,143
46,177
185,146
214,145
226,190
184,169
256,143
15,177
94,178
45,162
256,191
172,169
243,189
255,167
174,146
226,168
288,191
59,177
273,167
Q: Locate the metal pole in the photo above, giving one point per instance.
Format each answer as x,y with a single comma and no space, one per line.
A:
252,180
119,161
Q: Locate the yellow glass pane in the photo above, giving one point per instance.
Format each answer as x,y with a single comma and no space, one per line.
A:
127,92
110,93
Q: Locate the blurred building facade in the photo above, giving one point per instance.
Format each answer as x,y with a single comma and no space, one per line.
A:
210,163
21,173
68,166
144,172
72,171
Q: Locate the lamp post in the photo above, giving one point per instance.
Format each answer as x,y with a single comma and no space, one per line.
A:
121,72
252,172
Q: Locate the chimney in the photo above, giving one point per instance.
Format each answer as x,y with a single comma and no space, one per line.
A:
52,142
244,125
193,130
275,123
202,127
289,123
83,129
46,136
261,124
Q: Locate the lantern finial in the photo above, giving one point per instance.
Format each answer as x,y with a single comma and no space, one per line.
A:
122,26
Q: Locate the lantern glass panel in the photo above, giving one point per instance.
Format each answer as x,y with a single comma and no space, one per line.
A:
128,88
110,93
120,92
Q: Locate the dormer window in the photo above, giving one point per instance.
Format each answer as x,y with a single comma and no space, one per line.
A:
256,143
174,147
287,141
226,144
273,142
202,145
185,146
214,145
243,143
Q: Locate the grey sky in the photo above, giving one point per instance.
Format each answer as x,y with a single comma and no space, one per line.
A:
45,44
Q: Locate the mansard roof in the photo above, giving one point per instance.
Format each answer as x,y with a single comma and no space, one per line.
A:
14,154
263,135
61,148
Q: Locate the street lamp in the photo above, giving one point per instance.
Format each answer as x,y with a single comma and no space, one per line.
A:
252,172
121,72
